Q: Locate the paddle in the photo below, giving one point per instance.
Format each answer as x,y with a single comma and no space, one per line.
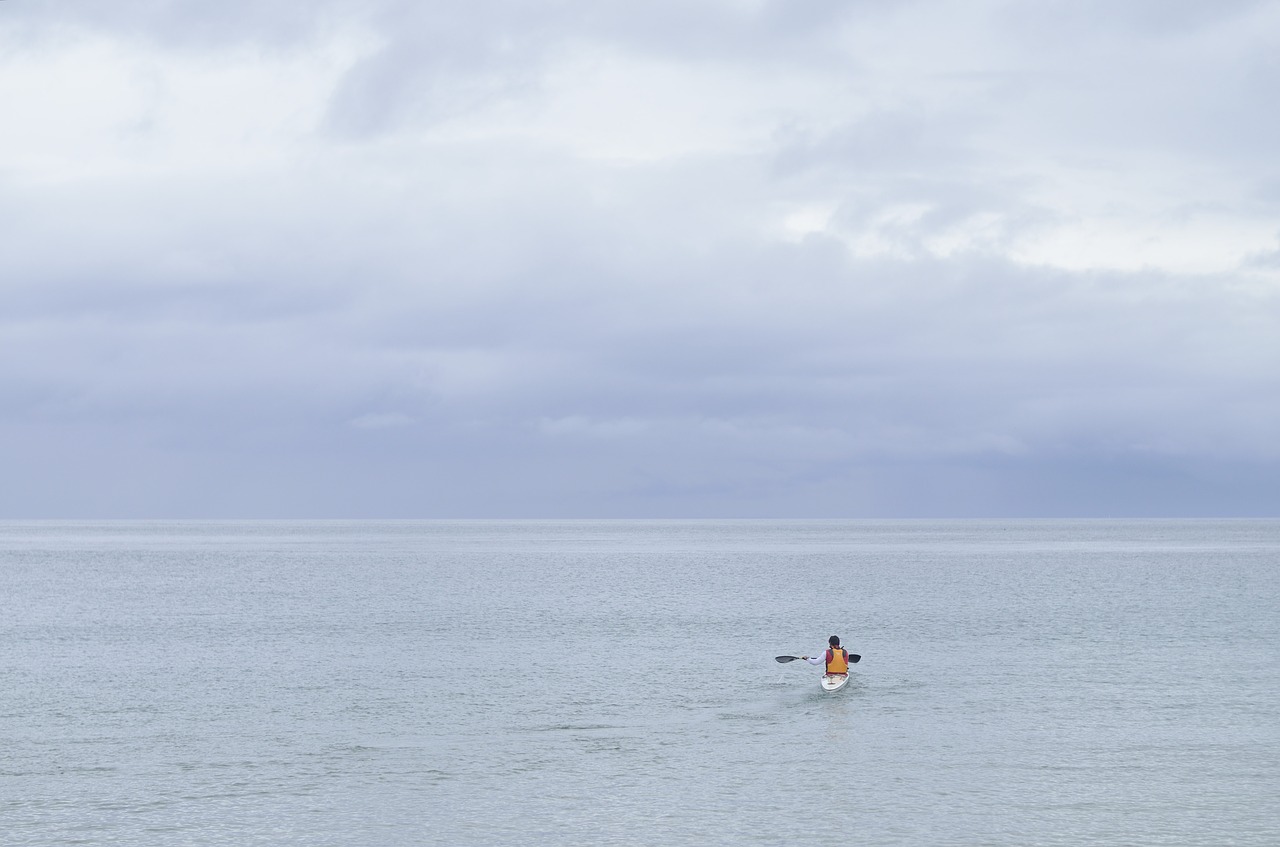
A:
854,658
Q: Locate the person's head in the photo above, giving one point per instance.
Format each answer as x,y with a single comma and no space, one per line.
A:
834,641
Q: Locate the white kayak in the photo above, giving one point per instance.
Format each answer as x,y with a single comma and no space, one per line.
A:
834,681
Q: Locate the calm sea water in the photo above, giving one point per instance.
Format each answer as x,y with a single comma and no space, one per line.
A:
596,683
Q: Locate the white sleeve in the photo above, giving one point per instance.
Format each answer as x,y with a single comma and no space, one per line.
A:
820,659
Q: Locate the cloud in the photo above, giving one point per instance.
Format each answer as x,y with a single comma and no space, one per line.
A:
698,258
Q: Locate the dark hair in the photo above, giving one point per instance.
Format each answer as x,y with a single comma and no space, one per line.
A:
834,641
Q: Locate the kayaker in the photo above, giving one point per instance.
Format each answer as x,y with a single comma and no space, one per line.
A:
836,658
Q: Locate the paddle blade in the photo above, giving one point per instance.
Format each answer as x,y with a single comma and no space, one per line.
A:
787,658
854,658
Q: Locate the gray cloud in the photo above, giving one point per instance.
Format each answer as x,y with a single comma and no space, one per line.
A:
838,262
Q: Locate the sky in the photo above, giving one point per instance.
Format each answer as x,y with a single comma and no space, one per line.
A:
601,259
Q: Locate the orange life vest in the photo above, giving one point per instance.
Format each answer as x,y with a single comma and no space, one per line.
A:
838,660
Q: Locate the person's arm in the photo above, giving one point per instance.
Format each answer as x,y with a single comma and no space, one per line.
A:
816,660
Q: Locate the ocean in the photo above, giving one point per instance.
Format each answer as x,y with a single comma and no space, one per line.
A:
614,683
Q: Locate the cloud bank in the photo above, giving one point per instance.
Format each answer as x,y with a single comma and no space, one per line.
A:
713,258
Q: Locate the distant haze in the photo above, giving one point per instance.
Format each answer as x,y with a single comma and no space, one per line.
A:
267,258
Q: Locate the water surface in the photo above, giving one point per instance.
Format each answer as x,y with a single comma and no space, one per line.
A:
454,683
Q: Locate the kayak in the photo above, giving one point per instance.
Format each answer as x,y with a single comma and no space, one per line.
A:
834,681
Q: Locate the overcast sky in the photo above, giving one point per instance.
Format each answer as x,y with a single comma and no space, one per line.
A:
670,258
